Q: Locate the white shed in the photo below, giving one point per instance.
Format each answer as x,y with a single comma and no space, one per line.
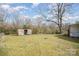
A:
20,31
74,30
24,31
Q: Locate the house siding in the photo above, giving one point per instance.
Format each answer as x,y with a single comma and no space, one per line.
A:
74,31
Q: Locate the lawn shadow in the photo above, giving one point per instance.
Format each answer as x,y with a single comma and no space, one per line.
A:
76,40
3,52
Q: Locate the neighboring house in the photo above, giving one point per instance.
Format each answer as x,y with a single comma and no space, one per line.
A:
24,31
74,30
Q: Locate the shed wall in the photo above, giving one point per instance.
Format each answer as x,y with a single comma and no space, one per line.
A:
24,31
20,32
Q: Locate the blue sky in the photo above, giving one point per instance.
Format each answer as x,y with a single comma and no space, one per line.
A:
31,10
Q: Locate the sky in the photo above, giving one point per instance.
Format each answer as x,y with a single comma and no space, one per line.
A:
31,10
26,8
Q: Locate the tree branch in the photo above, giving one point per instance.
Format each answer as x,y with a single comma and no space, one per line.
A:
53,22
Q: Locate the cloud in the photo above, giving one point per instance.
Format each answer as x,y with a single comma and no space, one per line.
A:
17,8
5,6
52,6
71,18
38,17
50,16
20,8
11,9
24,17
35,5
74,17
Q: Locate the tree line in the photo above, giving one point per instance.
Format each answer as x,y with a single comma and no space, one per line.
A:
39,24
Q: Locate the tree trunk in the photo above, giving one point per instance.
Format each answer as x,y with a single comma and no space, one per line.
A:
69,30
60,29
60,26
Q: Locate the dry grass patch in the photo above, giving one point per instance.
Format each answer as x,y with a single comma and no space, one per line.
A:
40,45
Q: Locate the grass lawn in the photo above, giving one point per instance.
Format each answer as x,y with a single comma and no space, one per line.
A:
39,45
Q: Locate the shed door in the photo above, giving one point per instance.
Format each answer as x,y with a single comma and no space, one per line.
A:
25,32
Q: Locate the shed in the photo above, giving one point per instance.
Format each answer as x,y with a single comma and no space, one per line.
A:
24,31
74,30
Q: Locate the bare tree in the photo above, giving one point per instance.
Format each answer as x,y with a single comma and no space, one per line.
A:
38,22
2,14
59,12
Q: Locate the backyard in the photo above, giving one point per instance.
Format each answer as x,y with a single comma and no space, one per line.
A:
39,45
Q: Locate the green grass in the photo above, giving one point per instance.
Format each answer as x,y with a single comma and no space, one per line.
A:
40,45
